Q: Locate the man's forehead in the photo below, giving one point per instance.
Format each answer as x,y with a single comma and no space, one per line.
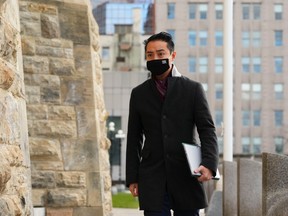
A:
157,46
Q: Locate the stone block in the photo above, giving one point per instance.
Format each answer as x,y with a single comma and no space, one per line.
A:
80,155
275,184
46,165
55,129
5,175
66,197
38,7
230,188
86,122
77,92
8,41
88,211
62,66
71,179
36,64
95,185
74,24
215,207
32,94
60,212
50,26
30,24
7,76
28,45
249,187
37,111
43,179
45,149
38,197
48,50
62,113
50,95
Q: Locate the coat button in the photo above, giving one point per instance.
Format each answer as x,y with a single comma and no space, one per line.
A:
164,116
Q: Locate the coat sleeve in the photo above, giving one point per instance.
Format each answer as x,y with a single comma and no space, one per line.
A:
206,130
134,142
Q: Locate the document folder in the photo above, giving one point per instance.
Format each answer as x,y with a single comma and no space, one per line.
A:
193,155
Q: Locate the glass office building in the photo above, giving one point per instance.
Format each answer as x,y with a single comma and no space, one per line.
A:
110,14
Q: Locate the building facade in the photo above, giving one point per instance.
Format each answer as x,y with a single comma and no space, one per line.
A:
260,65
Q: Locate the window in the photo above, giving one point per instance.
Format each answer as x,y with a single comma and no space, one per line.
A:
278,117
245,87
105,53
203,11
278,10
192,64
172,33
279,144
245,145
171,11
245,11
256,11
218,11
257,117
256,145
246,118
218,117
245,39
203,64
245,64
203,38
278,37
256,91
219,38
192,10
256,39
278,91
278,64
219,91
256,64
251,38
218,64
192,38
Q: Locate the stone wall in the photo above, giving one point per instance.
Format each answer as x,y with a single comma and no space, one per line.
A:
15,182
65,108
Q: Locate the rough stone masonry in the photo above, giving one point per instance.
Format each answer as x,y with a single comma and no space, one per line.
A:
52,111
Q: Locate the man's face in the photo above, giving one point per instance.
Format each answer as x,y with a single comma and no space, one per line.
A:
158,50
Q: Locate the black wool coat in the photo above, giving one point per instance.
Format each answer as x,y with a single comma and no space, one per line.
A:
155,158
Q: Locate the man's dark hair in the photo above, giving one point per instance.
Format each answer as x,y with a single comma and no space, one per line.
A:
163,36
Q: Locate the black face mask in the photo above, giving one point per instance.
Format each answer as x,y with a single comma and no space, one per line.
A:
158,66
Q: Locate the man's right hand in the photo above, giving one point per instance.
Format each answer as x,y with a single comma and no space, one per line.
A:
134,189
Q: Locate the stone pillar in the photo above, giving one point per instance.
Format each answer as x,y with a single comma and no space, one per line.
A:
15,182
65,107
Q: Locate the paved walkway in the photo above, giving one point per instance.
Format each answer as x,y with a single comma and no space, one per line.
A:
134,212
127,212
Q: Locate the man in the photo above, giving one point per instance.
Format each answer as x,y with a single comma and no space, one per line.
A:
164,112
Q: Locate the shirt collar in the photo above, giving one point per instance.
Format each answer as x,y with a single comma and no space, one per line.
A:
175,72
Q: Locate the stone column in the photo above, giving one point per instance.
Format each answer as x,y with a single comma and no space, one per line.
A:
15,182
65,107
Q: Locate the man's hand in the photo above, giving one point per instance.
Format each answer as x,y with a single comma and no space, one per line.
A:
206,174
134,189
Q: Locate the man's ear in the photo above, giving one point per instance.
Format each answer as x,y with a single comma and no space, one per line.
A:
173,55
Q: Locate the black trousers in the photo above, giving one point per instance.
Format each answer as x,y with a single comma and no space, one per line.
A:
166,210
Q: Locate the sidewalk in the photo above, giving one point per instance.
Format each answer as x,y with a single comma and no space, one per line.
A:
134,212
127,212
